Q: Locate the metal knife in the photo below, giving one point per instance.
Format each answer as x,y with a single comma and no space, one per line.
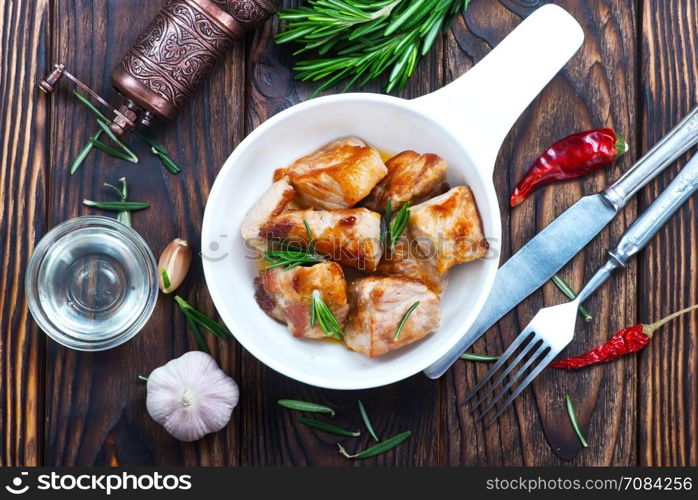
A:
564,237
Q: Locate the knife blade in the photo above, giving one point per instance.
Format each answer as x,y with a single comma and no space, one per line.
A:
547,252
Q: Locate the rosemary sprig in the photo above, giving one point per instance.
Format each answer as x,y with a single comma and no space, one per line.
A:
484,358
165,279
575,422
356,41
289,256
124,216
125,153
386,445
404,320
322,314
199,319
367,421
297,405
129,155
567,290
117,206
327,427
395,226
84,152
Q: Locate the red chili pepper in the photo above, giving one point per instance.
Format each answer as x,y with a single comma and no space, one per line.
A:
574,156
628,340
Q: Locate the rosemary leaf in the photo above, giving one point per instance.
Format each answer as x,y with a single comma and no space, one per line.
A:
166,161
151,142
200,319
367,421
385,222
404,320
567,290
117,206
111,151
90,106
200,341
309,233
471,356
295,404
124,216
575,422
378,449
327,427
142,378
82,154
165,279
397,225
104,125
324,316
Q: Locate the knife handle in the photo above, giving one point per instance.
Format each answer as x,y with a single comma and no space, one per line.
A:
682,137
646,226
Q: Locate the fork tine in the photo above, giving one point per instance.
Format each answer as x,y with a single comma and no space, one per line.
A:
512,365
502,359
514,378
544,362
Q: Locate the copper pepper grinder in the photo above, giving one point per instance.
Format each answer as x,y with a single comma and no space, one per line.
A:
162,70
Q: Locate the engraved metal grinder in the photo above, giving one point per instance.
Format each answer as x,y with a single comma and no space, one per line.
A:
170,59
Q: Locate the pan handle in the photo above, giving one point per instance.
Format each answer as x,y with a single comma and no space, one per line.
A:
481,106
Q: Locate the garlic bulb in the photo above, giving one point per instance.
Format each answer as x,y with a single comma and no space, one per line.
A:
191,397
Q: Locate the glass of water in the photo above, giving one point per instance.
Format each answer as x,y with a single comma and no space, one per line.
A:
91,283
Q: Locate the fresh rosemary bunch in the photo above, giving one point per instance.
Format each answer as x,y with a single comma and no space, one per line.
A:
356,41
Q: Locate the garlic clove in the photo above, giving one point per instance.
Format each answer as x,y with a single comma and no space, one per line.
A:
191,396
175,260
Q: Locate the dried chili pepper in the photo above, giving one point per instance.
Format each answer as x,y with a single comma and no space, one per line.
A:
574,156
625,341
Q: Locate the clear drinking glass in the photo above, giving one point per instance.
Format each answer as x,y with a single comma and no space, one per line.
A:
91,283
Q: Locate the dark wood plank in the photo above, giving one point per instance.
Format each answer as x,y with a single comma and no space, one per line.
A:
272,436
668,376
96,408
595,89
24,160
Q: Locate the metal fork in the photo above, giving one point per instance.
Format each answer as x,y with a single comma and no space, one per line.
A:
552,328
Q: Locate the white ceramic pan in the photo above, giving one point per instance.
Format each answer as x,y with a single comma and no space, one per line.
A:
464,122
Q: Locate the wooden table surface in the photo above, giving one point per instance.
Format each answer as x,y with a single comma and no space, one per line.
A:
636,72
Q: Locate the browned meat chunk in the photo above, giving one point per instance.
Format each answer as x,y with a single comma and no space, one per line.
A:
449,228
286,295
407,259
411,177
351,236
378,304
337,175
271,203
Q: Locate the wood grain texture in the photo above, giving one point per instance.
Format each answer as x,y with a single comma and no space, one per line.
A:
24,43
273,436
635,72
668,368
96,409
595,89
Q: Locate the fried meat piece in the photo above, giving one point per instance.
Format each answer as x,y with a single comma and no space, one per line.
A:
377,305
449,228
336,176
411,177
285,295
351,236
